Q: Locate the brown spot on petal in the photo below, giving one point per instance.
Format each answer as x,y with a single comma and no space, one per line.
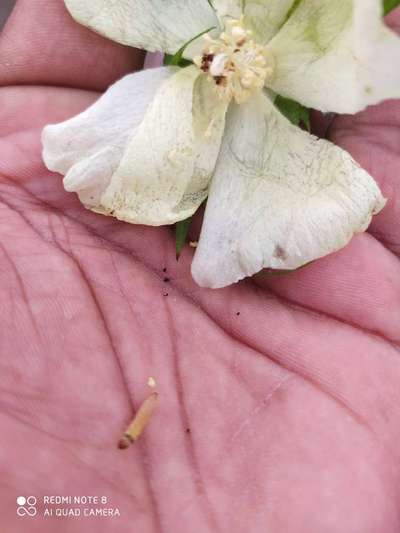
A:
280,252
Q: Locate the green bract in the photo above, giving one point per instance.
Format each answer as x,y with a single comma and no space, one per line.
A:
389,5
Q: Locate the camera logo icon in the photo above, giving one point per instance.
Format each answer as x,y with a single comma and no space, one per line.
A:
26,506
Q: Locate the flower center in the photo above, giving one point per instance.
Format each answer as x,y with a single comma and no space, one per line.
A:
235,63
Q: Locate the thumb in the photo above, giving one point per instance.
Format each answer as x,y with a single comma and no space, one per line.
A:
42,44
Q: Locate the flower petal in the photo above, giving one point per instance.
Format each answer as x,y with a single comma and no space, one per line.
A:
228,8
336,56
87,149
165,172
263,17
279,198
155,25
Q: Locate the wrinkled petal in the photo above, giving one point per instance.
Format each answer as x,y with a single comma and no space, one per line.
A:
336,56
87,149
228,8
263,17
165,172
154,25
279,198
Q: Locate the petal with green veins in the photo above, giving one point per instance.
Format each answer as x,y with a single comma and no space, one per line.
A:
279,198
336,56
263,17
165,172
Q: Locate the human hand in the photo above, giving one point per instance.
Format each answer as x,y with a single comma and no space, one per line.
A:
278,396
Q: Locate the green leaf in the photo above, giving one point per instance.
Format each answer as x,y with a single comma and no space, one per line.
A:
293,111
177,60
389,5
181,233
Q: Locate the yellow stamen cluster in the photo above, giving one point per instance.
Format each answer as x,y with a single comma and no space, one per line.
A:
235,62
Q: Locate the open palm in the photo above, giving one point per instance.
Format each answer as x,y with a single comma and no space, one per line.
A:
279,397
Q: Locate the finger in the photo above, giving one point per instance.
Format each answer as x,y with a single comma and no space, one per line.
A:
360,285
31,108
42,44
373,140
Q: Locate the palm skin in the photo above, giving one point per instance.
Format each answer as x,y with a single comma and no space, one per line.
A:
279,396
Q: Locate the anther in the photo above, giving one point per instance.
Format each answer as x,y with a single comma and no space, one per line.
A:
218,65
235,62
238,33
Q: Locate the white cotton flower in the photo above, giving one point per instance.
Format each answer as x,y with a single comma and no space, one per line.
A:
158,142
